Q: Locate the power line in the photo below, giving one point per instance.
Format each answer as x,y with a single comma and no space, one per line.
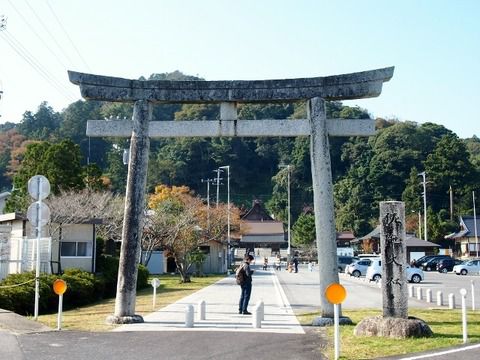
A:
37,35
68,36
33,62
48,32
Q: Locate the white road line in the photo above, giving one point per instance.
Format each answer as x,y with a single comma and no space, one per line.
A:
446,352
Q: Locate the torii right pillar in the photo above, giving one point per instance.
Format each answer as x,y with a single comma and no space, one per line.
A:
323,201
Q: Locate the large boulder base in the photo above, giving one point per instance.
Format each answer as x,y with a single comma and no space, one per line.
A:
393,327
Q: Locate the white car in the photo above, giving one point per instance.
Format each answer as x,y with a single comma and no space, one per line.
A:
472,266
374,272
358,268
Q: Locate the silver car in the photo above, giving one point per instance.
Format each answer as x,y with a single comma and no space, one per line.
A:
472,267
358,268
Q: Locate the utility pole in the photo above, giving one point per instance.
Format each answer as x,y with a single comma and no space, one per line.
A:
451,203
228,214
208,181
218,171
419,224
424,182
475,222
3,26
288,207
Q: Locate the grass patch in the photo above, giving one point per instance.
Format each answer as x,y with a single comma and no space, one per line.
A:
92,317
445,324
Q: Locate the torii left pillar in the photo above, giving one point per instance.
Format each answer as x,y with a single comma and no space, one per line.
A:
133,216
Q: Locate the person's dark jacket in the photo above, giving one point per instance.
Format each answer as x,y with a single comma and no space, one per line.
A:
248,272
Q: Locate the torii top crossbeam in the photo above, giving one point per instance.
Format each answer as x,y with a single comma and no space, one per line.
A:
337,87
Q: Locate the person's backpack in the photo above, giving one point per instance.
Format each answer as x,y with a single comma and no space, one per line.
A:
240,275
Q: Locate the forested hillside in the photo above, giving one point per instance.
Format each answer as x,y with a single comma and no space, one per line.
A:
365,170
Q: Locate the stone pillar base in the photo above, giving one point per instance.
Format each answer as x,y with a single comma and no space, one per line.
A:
327,321
391,327
132,319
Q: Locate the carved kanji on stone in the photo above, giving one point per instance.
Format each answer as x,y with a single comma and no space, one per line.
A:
392,242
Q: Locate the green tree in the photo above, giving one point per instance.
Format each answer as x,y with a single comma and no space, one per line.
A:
449,165
42,125
59,163
304,230
412,195
74,126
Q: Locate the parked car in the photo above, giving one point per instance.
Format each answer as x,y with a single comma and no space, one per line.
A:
446,265
422,260
343,261
431,264
358,268
471,266
374,272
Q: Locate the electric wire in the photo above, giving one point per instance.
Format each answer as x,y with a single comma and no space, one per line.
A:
68,36
26,55
48,32
31,60
38,36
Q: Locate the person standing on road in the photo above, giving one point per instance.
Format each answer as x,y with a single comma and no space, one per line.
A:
246,286
295,263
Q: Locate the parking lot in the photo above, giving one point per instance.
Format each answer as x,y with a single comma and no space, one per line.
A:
303,290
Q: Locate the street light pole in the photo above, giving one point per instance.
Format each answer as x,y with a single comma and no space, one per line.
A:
423,175
228,213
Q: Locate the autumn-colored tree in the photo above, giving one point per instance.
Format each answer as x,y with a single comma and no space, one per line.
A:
164,192
180,223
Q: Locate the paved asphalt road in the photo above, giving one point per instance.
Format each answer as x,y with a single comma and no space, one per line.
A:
302,291
74,345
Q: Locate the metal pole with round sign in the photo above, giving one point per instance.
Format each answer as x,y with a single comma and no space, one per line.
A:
38,214
59,288
336,294
155,285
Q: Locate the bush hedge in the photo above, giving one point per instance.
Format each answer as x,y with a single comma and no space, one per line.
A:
82,288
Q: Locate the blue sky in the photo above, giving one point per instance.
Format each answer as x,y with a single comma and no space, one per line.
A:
434,46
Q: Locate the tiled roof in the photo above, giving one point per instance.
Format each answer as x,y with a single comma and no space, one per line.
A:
261,227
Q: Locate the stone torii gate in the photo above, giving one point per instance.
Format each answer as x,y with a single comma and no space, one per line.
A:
228,93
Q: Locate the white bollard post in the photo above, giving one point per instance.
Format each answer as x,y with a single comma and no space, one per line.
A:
419,293
257,317
473,294
201,312
428,294
261,306
451,301
463,292
59,317
189,312
411,288
336,324
439,298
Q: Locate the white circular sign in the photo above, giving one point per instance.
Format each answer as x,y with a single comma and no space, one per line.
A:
38,212
463,292
155,282
38,187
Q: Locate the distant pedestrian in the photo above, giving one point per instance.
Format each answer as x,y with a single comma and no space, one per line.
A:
265,263
278,263
246,285
295,263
